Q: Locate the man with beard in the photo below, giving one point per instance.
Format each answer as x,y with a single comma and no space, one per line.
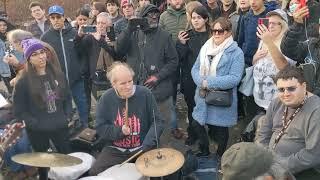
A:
151,53
174,20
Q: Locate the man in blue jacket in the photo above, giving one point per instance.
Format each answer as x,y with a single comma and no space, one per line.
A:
247,39
61,37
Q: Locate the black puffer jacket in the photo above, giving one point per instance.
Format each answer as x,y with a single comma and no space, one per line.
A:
68,53
292,47
150,53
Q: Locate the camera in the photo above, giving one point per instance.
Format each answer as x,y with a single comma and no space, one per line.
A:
89,29
9,50
139,22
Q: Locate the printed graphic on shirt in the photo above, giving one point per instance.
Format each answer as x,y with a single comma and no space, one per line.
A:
51,98
133,140
264,88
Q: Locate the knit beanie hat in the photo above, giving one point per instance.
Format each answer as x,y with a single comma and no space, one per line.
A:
245,161
29,46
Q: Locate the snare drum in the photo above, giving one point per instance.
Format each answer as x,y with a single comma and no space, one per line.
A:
127,171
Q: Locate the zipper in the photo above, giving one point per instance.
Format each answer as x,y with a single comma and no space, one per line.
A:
64,56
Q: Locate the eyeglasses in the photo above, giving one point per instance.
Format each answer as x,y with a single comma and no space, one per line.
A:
289,89
275,23
219,31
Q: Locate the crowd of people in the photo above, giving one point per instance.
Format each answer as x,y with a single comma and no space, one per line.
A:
231,60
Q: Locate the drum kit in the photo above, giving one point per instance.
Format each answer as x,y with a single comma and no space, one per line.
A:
155,163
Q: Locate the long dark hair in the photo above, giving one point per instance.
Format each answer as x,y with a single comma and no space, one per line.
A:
56,77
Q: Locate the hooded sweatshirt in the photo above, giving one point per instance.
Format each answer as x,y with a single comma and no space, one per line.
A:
174,21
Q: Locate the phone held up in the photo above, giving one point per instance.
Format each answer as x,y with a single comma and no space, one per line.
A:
89,29
111,34
264,21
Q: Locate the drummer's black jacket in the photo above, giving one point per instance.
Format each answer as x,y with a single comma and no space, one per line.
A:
142,113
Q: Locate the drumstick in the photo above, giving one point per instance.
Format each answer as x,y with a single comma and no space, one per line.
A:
126,114
136,154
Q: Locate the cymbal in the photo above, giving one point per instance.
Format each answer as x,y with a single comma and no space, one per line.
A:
39,159
159,162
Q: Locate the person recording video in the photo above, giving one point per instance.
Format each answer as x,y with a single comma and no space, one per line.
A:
306,53
151,53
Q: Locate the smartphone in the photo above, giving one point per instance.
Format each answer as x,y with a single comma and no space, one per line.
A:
89,29
190,33
303,3
264,21
111,34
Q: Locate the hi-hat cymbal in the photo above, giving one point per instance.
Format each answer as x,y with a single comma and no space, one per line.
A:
160,162
39,159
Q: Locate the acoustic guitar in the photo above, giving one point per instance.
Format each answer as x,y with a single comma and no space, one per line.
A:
9,137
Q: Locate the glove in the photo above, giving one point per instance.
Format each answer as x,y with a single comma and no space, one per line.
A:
151,82
132,26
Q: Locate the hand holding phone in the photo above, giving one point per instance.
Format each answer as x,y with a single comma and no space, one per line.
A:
264,21
111,34
302,5
183,37
89,29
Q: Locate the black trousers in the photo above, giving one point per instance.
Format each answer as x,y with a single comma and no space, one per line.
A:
217,133
189,98
40,143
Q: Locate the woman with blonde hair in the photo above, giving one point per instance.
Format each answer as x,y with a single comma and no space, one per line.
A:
264,64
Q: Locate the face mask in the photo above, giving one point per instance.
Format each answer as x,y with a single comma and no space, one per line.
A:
293,8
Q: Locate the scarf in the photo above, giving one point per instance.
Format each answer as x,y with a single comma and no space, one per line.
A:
211,49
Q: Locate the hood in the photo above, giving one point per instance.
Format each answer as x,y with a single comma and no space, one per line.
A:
148,8
175,12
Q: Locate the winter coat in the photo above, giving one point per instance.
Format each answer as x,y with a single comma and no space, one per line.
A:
188,54
35,29
173,21
150,53
298,51
229,72
247,39
62,42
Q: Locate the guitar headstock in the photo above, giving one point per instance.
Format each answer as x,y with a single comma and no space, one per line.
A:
10,135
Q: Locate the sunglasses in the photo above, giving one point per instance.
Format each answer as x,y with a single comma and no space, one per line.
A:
289,89
153,14
219,31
